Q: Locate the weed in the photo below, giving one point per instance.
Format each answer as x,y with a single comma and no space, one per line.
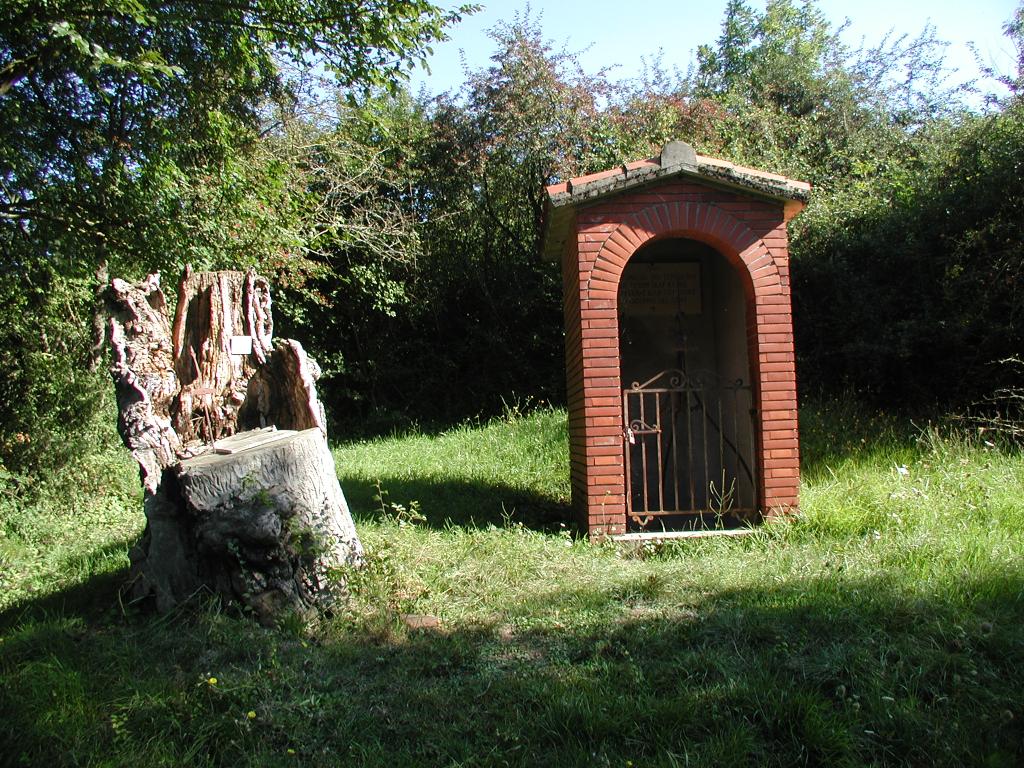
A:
400,513
721,497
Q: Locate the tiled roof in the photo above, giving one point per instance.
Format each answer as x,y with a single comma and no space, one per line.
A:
676,158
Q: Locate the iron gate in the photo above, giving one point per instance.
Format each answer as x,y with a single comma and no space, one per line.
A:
689,450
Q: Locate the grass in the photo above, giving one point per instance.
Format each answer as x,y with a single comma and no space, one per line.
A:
884,626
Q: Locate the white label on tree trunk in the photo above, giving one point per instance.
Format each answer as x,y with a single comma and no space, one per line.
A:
240,345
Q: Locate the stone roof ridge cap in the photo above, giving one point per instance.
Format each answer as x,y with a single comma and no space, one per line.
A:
677,153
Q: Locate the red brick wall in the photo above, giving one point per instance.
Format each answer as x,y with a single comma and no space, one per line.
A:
574,376
751,234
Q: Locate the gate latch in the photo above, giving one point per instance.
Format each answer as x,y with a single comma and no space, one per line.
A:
630,436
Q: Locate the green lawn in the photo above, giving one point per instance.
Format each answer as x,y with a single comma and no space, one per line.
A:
885,625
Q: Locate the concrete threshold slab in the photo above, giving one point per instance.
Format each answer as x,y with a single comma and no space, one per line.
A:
662,535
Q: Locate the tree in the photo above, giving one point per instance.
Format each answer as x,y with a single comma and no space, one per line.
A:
97,96
130,131
1014,30
801,102
530,118
355,253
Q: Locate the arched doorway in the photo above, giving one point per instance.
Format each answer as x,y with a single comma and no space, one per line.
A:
687,400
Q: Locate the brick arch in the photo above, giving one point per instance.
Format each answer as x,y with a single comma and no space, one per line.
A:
696,221
607,237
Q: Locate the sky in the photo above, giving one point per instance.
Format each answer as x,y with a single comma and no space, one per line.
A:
621,33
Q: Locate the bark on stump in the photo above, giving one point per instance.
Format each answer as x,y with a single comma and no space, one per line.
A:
213,308
256,517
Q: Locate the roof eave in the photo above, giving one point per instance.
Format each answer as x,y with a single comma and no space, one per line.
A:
676,159
736,177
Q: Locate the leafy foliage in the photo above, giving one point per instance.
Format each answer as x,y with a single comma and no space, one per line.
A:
130,141
910,287
355,258
98,97
887,279
482,318
404,232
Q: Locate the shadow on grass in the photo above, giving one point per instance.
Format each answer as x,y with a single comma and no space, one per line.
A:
835,429
813,671
832,431
463,503
89,598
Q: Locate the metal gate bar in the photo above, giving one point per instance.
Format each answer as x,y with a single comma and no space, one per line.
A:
717,468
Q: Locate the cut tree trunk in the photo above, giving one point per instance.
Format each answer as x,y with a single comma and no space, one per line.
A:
283,392
213,309
256,517
265,525
142,366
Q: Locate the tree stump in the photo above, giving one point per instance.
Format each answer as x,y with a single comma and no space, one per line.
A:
142,366
283,391
256,517
213,309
